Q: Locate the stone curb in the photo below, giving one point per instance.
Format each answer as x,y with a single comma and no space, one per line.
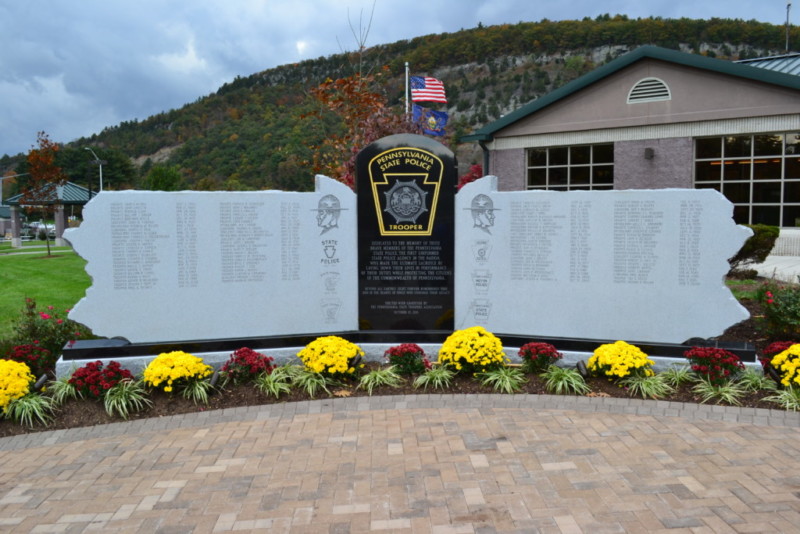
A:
459,402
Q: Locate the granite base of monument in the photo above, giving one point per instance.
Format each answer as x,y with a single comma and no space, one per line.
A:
136,356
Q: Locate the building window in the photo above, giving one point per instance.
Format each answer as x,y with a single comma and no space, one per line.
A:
759,174
571,168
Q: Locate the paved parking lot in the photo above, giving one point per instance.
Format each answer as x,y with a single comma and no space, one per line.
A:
424,463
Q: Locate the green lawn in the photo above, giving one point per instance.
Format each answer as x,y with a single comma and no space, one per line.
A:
59,280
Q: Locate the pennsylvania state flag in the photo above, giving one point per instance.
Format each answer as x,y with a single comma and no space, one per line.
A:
432,121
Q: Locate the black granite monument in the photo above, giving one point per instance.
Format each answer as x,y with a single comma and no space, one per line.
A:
406,187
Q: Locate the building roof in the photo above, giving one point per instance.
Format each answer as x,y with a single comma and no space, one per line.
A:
69,193
645,52
786,63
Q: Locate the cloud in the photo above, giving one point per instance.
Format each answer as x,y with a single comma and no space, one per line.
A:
73,68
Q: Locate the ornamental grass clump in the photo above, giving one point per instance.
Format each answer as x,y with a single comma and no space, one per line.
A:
94,379
277,382
126,397
388,377
439,377
537,357
188,373
787,365
407,359
503,379
472,350
245,364
620,360
561,381
714,365
332,357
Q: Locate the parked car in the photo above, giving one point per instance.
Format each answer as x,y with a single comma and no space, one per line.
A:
37,227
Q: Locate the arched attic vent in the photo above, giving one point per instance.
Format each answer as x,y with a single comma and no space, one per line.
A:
649,90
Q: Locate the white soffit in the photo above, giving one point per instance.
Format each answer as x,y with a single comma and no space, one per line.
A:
658,131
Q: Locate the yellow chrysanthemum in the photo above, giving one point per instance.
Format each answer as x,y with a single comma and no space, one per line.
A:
330,355
170,367
15,382
787,363
619,360
472,350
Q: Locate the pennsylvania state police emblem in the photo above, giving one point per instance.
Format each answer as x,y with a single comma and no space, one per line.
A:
405,201
406,183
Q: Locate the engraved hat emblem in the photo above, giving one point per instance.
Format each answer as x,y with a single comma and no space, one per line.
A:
328,210
405,201
483,210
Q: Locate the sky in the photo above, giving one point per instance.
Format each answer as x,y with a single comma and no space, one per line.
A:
73,68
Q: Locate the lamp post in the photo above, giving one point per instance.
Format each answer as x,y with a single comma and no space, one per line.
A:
99,162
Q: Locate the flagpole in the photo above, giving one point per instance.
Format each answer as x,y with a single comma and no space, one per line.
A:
406,87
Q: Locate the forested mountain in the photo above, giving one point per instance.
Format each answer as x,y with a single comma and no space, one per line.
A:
260,131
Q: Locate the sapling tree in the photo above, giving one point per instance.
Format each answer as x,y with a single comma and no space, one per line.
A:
40,193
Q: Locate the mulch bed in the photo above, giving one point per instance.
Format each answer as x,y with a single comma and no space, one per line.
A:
84,413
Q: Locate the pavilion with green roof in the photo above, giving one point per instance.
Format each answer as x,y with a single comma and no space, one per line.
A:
60,196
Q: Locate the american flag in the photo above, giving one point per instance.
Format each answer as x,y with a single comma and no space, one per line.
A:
425,89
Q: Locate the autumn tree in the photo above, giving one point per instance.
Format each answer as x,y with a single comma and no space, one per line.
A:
40,193
363,111
365,116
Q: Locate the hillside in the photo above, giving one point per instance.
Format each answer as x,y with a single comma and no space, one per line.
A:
257,132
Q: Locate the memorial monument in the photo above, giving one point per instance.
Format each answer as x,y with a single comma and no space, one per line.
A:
406,186
636,265
214,265
406,254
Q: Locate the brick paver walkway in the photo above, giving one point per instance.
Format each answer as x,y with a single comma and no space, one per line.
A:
427,463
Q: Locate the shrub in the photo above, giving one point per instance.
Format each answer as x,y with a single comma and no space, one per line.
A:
15,382
38,359
475,172
47,329
787,364
94,380
245,364
757,247
619,360
407,359
714,365
781,305
332,356
472,350
182,370
536,357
